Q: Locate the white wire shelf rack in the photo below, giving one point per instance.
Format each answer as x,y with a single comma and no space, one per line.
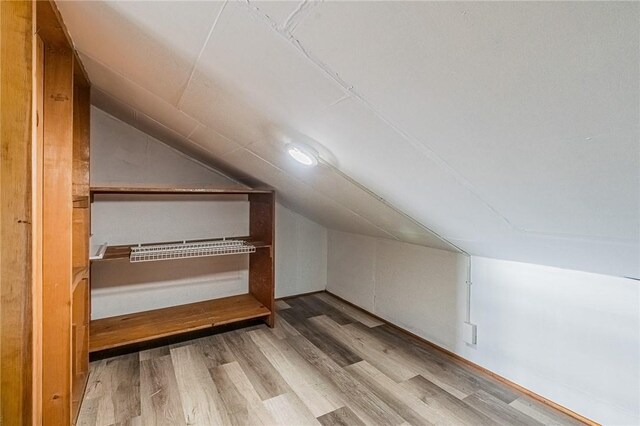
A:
186,249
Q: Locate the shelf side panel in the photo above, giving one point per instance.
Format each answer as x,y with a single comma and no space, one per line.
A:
261,263
261,279
262,217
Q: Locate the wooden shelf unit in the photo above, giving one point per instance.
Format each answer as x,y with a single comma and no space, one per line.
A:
122,330
62,127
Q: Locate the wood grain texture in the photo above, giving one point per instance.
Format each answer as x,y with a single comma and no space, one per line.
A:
541,412
357,315
81,230
175,190
288,409
474,368
409,408
37,160
341,417
497,410
201,400
16,325
159,396
336,350
266,380
113,391
81,129
260,375
360,399
441,401
308,384
80,343
57,235
142,326
439,369
261,279
380,355
262,217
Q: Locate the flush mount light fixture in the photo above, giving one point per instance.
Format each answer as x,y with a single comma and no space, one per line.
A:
303,154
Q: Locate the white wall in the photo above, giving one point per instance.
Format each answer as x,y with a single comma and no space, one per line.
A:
573,337
301,254
121,154
418,288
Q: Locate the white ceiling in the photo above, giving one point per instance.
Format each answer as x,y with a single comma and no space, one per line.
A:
509,128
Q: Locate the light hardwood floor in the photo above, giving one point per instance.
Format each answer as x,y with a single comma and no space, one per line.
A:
324,363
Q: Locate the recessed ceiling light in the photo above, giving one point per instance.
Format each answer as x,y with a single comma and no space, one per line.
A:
303,154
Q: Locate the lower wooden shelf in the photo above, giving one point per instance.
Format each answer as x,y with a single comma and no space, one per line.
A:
109,333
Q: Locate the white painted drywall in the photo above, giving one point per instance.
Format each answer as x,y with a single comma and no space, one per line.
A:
572,337
121,154
510,128
135,219
412,286
301,254
119,287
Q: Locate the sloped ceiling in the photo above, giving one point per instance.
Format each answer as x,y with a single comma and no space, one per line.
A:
511,129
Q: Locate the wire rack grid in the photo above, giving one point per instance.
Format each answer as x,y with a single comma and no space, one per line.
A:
189,249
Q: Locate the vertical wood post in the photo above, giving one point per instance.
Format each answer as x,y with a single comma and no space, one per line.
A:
57,234
16,322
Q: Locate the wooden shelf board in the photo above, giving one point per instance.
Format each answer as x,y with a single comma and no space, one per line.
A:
124,251
175,190
108,333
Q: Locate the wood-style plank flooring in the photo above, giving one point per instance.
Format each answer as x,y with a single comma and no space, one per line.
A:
325,363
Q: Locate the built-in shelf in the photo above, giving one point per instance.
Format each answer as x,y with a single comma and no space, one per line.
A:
175,190
109,333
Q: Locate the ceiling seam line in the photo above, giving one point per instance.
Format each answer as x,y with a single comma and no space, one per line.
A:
289,21
412,141
323,194
193,131
195,64
201,163
159,99
392,207
428,152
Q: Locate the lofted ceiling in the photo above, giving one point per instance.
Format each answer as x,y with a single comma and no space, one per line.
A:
510,129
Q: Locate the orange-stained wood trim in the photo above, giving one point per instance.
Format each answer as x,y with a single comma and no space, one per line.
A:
37,161
16,85
80,241
465,361
142,189
57,229
262,262
54,33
